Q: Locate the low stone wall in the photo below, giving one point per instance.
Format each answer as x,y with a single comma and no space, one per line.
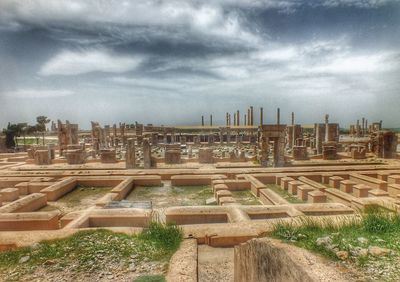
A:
59,189
29,221
269,260
111,218
192,180
28,203
123,189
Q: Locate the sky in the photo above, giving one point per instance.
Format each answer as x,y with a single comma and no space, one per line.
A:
170,62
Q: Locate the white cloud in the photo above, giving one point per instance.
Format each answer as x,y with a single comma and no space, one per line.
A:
356,64
38,93
279,54
73,63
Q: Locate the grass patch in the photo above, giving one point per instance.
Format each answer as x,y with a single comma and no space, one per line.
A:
166,237
166,195
245,197
376,227
284,194
94,250
150,278
76,196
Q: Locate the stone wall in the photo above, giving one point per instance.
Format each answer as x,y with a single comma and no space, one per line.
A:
269,260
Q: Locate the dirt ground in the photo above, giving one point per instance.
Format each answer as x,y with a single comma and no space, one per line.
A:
215,264
168,195
80,198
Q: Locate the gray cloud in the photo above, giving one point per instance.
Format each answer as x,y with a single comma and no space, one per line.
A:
171,61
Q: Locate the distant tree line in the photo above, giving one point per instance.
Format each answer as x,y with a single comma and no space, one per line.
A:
15,130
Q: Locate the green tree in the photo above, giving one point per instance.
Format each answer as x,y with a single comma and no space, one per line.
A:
41,124
12,132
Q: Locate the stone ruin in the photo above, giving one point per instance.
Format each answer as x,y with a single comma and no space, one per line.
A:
67,135
234,162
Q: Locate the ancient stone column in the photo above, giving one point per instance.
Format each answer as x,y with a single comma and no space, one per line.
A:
146,153
234,119
251,116
248,117
211,120
278,116
245,119
263,151
358,128
363,127
42,157
326,128
130,157
190,152
210,139
261,116
238,118
292,135
202,120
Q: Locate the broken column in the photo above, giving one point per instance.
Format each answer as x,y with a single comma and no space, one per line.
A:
384,144
146,153
206,155
108,156
42,157
130,156
172,154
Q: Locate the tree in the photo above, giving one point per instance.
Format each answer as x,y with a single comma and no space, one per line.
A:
12,132
41,124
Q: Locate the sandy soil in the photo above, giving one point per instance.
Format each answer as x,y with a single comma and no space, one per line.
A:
215,264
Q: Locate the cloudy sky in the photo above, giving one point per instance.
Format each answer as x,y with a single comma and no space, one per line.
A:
169,62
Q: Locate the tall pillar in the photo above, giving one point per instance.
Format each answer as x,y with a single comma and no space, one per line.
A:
248,117
326,128
238,118
210,120
251,115
245,120
358,128
278,116
227,119
234,119
261,116
363,127
202,120
130,157
293,131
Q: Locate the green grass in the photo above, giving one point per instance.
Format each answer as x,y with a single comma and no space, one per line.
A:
245,197
95,250
150,278
166,237
380,227
284,194
80,192
162,196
